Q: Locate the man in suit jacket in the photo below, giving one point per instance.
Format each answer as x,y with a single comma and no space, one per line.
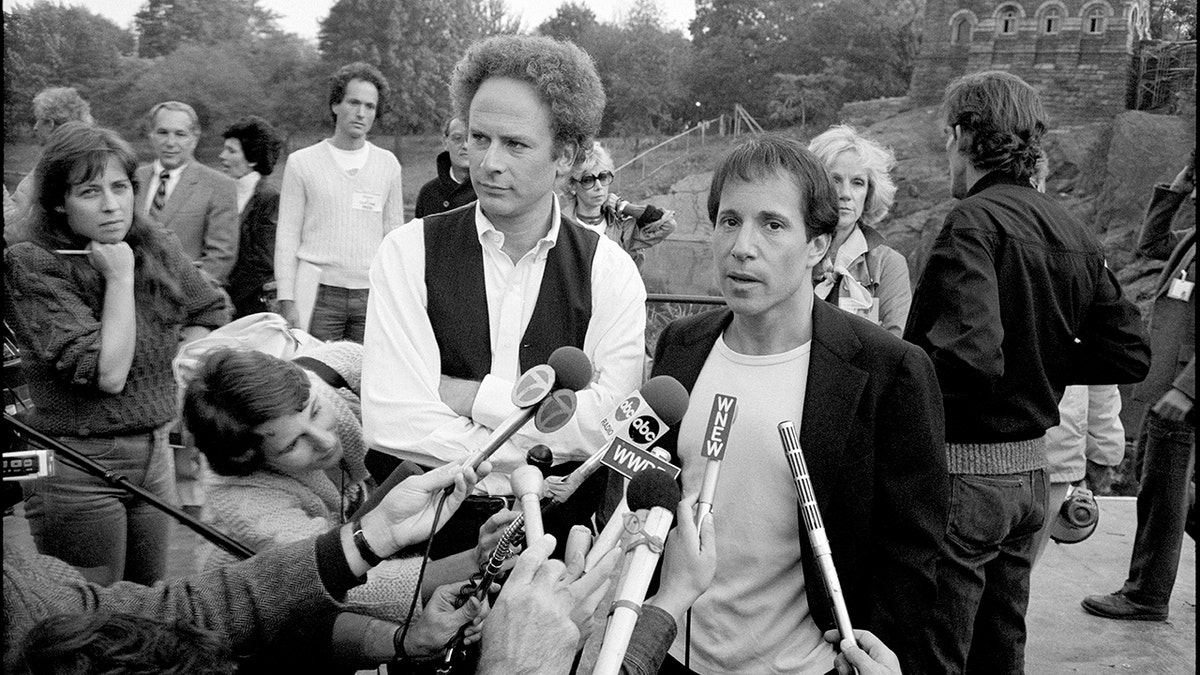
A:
195,202
869,412
1167,439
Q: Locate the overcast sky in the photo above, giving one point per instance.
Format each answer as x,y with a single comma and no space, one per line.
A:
301,16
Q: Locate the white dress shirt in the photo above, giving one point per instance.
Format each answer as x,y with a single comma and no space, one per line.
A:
403,413
173,176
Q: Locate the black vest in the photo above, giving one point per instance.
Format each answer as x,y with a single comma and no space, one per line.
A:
457,295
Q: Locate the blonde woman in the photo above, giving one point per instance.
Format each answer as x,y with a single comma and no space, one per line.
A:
862,274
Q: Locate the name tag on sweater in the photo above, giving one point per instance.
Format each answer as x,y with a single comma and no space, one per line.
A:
367,201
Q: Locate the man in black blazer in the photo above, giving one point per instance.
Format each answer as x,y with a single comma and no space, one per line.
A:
871,426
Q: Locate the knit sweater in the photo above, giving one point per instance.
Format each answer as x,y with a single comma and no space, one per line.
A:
269,508
56,321
333,219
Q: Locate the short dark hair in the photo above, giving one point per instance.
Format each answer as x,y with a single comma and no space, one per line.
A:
563,75
232,393
358,70
117,642
767,156
260,142
1003,121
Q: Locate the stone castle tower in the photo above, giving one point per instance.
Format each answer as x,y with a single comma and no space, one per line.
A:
1079,54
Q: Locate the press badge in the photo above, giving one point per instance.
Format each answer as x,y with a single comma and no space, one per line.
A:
1181,288
367,201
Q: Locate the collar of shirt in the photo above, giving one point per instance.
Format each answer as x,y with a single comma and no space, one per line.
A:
173,176
490,237
245,188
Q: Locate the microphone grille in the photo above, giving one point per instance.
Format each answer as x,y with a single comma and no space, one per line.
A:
572,368
652,488
668,398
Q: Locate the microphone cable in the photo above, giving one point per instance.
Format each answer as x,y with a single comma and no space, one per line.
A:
412,607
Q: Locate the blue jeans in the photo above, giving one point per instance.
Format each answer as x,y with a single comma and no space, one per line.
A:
983,580
339,314
1168,451
104,531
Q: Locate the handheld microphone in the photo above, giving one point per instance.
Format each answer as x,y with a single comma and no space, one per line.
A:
526,484
716,438
611,534
649,412
658,492
815,527
541,457
568,368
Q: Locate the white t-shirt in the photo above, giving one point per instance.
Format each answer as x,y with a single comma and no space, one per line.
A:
754,619
349,161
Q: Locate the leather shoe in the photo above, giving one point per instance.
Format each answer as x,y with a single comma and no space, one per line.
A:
1119,606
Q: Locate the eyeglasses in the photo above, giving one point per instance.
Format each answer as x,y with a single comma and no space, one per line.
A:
588,180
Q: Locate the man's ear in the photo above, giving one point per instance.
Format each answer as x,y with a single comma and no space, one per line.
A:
818,247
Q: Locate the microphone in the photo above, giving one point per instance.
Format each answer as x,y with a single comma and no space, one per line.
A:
716,437
526,482
568,368
815,527
541,457
639,420
657,491
611,533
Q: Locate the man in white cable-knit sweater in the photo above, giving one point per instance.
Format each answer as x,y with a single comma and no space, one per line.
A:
340,197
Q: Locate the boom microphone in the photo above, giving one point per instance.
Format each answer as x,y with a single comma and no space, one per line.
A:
662,397
815,527
657,491
568,368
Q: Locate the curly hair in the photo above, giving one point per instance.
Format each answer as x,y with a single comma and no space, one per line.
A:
61,105
233,392
597,157
563,75
260,143
876,159
116,642
1002,120
358,70
76,153
767,156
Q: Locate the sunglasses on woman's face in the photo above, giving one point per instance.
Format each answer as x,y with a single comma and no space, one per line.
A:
588,180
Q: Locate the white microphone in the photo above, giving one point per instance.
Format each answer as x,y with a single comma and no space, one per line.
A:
611,534
716,438
526,482
815,527
657,491
568,369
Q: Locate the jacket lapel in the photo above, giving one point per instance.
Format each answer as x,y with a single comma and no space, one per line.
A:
182,192
834,388
1187,241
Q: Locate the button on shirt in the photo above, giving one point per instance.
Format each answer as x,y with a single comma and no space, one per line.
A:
173,180
402,411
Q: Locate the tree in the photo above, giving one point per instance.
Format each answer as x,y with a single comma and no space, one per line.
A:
1173,19
165,25
571,21
415,43
48,45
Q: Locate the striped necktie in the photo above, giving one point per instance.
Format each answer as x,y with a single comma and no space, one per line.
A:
160,197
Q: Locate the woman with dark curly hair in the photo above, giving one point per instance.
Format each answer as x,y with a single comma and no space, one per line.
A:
98,302
251,148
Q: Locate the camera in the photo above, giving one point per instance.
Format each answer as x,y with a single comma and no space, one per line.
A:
644,214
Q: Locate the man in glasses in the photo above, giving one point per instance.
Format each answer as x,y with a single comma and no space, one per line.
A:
452,187
463,302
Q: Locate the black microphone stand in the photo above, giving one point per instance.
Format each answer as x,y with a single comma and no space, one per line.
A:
91,466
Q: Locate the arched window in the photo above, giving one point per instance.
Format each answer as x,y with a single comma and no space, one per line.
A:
961,33
1008,21
1093,23
1051,21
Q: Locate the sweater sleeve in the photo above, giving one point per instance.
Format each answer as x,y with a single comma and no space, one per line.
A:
292,200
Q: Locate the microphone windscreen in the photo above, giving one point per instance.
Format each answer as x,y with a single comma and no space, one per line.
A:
572,368
540,456
652,488
668,398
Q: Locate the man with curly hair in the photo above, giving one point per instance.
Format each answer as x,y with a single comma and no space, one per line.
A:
1014,304
463,302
